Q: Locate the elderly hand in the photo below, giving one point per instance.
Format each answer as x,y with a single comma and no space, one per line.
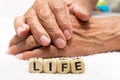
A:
48,20
96,36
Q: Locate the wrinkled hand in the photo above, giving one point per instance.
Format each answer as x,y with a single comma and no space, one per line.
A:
48,20
98,35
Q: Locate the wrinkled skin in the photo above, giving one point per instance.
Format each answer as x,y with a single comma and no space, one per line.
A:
49,21
96,36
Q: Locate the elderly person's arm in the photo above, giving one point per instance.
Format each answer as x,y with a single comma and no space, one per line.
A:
96,36
49,21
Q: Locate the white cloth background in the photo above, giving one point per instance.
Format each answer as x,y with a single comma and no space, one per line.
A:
98,67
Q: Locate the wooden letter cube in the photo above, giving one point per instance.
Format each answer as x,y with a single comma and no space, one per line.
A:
35,65
63,66
77,65
49,65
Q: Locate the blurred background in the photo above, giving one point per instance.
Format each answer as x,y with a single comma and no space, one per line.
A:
114,5
12,8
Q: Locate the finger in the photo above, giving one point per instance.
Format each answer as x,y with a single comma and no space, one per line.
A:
26,44
48,20
80,11
36,28
60,10
52,51
16,39
20,26
44,52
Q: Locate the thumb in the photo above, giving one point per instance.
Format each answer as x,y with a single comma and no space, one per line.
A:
82,12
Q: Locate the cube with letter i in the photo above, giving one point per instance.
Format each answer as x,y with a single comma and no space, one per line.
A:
49,65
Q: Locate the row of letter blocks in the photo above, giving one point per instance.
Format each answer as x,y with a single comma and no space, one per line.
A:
56,65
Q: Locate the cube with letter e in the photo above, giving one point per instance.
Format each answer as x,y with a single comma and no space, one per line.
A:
77,65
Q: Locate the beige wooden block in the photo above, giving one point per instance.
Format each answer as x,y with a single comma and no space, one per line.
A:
63,66
35,65
49,65
77,65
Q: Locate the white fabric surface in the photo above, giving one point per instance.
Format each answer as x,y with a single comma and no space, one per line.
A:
98,67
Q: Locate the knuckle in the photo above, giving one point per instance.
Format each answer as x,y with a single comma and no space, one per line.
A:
76,8
44,15
53,51
29,15
31,42
58,9
52,31
30,20
65,25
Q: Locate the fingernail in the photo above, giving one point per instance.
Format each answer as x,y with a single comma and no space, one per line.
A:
22,28
67,34
19,30
44,40
19,56
86,15
60,43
